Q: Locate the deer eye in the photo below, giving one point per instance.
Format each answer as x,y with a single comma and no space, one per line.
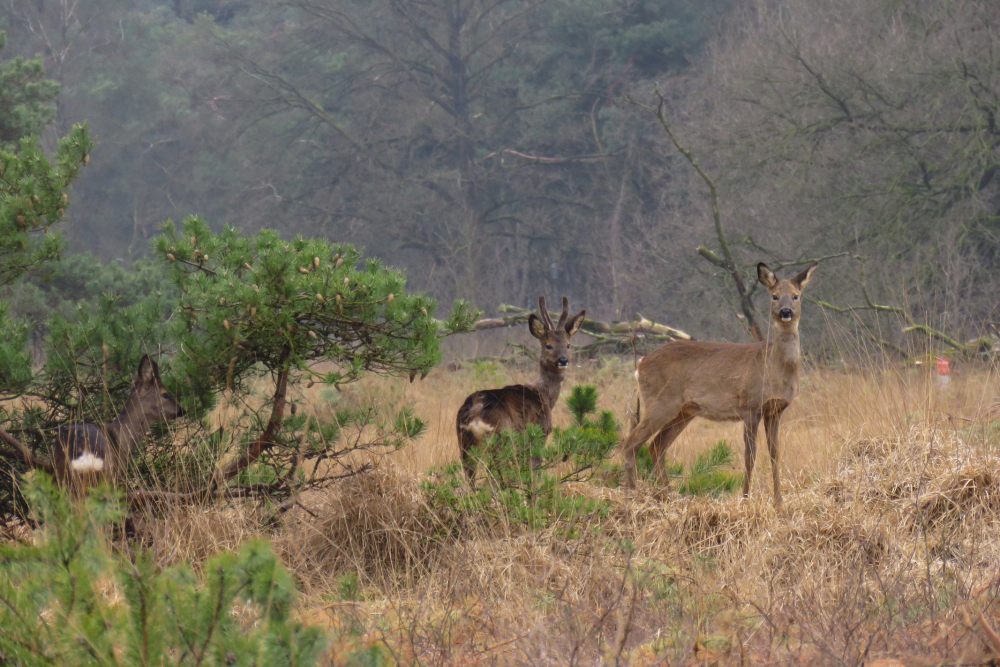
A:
774,297
568,346
548,347
795,298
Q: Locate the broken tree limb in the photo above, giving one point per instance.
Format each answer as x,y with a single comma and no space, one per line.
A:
937,335
595,328
545,160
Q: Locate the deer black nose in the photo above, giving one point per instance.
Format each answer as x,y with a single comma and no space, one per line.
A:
180,412
785,314
562,362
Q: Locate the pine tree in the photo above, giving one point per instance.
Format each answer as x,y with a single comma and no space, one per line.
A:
31,186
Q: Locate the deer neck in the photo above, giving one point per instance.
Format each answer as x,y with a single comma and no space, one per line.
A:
549,385
128,428
785,352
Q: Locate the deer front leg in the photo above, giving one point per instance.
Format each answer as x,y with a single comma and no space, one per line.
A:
772,421
750,424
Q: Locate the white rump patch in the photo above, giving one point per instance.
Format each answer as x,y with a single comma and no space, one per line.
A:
637,375
87,462
478,428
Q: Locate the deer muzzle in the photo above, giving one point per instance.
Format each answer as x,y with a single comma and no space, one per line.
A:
786,314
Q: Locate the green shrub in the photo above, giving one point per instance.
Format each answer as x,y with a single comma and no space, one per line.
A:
708,476
525,475
67,600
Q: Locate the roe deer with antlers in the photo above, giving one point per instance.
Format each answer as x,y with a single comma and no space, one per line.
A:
84,453
723,382
515,406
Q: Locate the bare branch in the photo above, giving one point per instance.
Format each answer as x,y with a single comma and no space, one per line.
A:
23,452
726,261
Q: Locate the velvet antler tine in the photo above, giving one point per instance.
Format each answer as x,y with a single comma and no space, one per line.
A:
543,312
564,315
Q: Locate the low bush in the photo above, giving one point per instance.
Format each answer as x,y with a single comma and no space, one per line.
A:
68,600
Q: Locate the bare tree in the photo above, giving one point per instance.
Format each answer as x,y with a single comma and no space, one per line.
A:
868,129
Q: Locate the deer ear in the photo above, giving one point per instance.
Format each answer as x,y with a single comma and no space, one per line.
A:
575,323
536,326
766,276
803,278
148,370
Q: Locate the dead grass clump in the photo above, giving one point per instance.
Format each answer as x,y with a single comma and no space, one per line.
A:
376,524
196,533
824,543
540,566
933,473
972,493
715,524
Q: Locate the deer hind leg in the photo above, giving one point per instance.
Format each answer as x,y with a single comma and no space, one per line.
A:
772,421
467,442
750,425
637,437
661,443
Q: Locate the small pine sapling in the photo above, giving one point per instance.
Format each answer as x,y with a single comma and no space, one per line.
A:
67,599
709,474
525,476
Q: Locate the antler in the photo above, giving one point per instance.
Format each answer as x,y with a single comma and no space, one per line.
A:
565,314
544,312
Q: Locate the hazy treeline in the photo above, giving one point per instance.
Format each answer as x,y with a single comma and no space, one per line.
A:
489,148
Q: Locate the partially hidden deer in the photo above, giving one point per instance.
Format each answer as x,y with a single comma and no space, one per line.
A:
724,382
85,453
515,406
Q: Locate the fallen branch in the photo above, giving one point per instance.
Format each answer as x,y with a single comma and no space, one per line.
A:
593,328
910,326
934,333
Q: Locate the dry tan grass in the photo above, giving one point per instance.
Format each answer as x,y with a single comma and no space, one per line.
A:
890,538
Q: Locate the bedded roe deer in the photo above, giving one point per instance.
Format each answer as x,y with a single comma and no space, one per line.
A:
515,406
723,382
83,453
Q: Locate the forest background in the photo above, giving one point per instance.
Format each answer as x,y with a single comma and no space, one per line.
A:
494,150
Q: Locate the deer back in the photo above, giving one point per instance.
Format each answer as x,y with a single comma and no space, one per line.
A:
512,407
718,381
731,381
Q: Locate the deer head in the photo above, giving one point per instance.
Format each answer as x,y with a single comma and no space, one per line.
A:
555,353
149,400
786,301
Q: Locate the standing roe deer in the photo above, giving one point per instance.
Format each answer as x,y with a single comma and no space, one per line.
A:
723,382
85,452
515,406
